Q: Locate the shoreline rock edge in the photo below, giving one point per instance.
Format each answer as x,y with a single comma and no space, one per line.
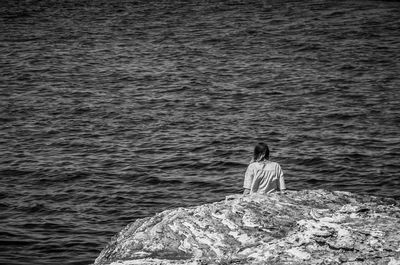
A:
300,227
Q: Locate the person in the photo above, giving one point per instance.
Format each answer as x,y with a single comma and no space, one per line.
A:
262,175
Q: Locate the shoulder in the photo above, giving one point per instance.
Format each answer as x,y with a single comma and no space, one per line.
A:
254,165
275,164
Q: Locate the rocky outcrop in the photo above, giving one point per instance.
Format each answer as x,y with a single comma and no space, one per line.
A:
300,227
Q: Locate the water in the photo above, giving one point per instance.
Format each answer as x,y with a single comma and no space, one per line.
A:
115,110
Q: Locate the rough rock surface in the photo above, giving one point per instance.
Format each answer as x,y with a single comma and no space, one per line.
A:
300,227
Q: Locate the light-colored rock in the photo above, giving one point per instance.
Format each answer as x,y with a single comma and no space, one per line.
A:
300,227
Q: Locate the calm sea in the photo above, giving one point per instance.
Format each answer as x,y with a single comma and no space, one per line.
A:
114,110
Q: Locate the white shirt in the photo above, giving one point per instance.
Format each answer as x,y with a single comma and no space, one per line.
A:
264,177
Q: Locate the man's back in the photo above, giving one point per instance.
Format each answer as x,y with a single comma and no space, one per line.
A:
264,177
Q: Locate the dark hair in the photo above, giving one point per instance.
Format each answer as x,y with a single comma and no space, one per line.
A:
261,151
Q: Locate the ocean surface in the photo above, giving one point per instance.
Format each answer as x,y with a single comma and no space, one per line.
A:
115,110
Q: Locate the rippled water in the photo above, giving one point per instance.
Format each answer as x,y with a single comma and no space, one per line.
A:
115,110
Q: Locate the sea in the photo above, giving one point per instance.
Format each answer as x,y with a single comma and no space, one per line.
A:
114,110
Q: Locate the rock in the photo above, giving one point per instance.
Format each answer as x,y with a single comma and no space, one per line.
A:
300,227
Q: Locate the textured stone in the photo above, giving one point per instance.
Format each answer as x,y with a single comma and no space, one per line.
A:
300,227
